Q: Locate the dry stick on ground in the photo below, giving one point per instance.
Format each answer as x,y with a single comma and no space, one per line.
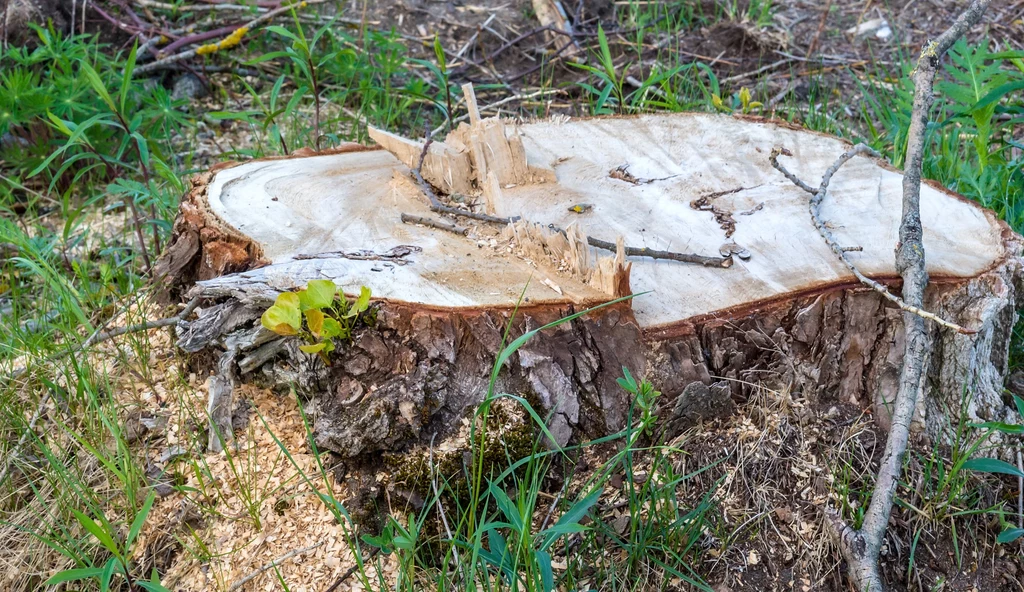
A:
100,336
862,547
438,224
24,436
817,197
437,206
352,570
237,585
190,53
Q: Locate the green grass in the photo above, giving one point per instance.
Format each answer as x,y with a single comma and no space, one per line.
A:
86,142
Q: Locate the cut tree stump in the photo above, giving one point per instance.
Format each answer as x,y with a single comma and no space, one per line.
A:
771,305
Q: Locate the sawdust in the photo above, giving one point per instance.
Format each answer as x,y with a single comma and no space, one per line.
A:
232,513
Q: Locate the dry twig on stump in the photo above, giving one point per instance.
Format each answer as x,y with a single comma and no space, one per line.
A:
817,197
437,206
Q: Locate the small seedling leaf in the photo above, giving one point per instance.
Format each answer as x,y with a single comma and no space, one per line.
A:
108,574
97,531
546,575
315,321
1010,534
318,294
72,575
285,311
331,328
314,348
140,519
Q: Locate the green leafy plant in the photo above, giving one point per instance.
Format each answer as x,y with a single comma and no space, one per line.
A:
1011,532
976,86
317,317
308,59
106,533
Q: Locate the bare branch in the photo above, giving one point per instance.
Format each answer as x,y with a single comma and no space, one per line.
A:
190,53
437,206
817,197
238,585
863,547
100,336
438,224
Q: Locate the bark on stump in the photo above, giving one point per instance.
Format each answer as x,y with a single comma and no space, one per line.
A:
781,310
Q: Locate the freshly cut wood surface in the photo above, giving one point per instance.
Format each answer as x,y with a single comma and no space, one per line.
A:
353,201
780,309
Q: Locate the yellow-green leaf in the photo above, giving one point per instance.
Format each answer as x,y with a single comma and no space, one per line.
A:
361,303
277,316
331,328
364,299
745,97
284,329
312,349
288,300
318,294
315,321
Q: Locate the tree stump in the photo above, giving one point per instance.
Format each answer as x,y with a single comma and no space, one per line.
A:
759,297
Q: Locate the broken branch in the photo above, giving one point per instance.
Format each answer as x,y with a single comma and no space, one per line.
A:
229,41
437,206
438,224
100,336
817,197
862,547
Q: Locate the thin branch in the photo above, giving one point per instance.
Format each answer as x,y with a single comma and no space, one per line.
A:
24,436
435,203
237,585
352,570
656,254
101,336
190,53
817,197
437,206
438,224
863,547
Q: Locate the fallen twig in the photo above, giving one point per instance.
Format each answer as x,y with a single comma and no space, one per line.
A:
229,41
437,206
100,336
237,585
435,203
656,254
862,547
24,436
438,224
817,197
352,570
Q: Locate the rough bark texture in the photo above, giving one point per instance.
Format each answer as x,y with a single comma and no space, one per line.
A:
418,370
